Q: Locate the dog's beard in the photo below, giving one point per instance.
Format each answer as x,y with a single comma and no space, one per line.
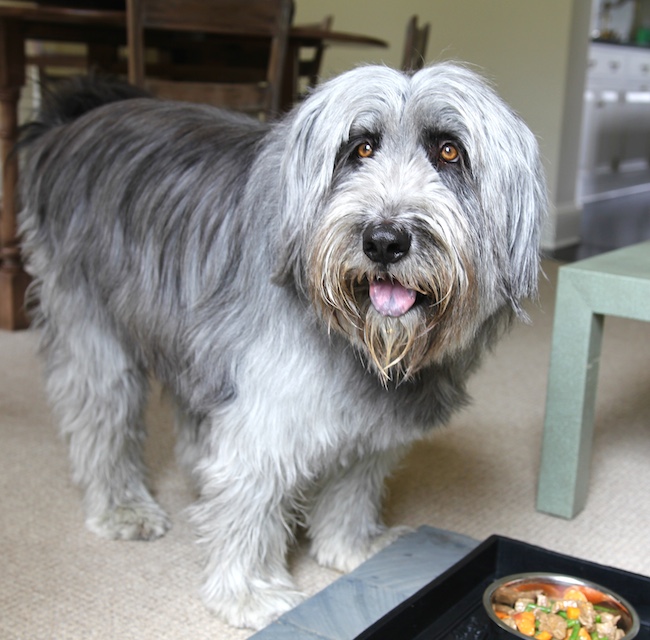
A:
397,345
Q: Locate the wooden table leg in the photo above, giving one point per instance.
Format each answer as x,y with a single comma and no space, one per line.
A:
13,279
289,89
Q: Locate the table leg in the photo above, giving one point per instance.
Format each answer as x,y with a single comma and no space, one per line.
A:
13,279
572,381
289,91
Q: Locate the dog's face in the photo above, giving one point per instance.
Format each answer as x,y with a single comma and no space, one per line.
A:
413,208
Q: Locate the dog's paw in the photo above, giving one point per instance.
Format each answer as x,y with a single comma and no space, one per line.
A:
258,607
137,521
334,554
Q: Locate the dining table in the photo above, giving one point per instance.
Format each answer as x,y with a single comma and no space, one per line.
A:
103,31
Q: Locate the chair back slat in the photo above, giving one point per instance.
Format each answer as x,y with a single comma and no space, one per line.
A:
236,17
415,45
263,22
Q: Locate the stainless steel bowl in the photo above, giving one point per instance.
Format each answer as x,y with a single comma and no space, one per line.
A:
554,585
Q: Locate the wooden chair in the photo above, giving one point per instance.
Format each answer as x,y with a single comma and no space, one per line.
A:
309,68
258,28
415,45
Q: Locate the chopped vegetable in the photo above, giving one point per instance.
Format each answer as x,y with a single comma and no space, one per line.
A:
573,593
572,616
575,630
525,621
583,634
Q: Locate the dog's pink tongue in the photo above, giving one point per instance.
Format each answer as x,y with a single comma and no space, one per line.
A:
391,298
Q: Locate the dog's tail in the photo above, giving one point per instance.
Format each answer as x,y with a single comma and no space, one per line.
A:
69,98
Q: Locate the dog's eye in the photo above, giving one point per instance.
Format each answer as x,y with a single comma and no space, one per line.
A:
449,152
365,150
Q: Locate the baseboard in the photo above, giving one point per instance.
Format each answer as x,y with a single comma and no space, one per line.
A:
563,228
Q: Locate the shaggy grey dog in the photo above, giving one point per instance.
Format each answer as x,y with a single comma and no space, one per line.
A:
313,293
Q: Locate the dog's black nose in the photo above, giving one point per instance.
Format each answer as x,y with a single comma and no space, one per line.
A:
385,243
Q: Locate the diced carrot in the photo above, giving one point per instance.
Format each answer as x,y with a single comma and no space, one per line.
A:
583,634
502,615
525,621
572,633
574,593
544,635
573,613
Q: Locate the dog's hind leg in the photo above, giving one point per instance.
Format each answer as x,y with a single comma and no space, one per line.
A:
345,523
99,392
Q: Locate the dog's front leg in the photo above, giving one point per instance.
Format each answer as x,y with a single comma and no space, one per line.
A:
345,522
242,521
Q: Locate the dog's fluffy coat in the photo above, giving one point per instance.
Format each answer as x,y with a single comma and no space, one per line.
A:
313,292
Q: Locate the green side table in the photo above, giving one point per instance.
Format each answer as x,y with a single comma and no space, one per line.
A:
616,283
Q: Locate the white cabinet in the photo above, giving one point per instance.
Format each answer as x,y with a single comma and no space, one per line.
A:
615,140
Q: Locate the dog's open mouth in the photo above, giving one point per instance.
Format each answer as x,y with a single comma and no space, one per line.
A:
390,298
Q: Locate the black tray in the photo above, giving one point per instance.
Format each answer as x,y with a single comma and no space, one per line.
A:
450,607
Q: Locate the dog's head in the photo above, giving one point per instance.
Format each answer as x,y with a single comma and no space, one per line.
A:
412,209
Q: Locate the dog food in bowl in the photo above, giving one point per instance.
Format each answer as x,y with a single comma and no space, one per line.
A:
555,607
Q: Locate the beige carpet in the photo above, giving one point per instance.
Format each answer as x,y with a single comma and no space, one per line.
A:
477,477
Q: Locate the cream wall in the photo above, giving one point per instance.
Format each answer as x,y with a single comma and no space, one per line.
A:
534,51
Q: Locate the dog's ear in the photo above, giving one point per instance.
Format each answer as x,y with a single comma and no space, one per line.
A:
306,167
310,138
506,166
514,184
